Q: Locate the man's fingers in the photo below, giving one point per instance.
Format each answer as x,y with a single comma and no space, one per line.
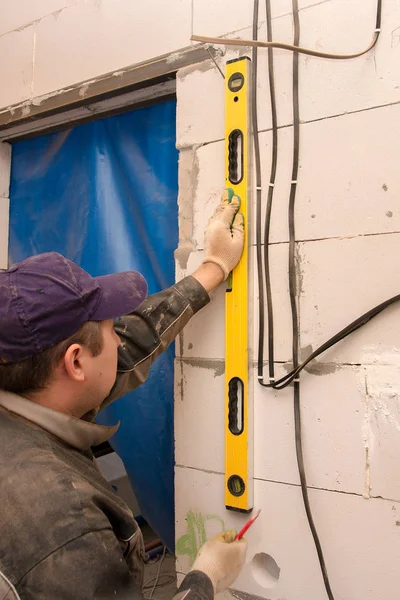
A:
226,212
238,223
224,236
232,200
227,196
227,536
227,207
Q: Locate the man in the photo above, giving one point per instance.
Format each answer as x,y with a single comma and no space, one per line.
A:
64,534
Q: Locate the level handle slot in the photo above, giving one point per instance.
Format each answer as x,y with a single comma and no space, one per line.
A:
236,406
235,156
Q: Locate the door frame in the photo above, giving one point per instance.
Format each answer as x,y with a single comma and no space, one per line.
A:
112,93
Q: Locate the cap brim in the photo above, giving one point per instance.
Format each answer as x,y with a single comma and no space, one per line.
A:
122,293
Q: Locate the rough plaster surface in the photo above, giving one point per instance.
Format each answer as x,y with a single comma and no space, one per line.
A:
382,429
193,343
188,171
355,534
16,74
112,34
339,422
327,88
57,43
342,279
109,35
342,198
211,318
21,13
218,18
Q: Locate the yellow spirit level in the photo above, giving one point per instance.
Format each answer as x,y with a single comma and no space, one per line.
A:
238,411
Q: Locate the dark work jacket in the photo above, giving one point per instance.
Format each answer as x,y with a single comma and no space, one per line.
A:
64,533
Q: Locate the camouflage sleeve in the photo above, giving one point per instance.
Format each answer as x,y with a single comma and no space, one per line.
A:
150,329
195,586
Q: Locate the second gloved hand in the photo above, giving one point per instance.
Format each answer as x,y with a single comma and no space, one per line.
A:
224,236
222,559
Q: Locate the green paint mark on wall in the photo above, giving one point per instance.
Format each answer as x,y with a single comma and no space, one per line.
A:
196,535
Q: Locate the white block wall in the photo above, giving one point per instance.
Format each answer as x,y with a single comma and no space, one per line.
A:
47,45
348,224
348,227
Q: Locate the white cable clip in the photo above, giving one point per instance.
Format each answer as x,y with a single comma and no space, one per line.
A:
271,184
258,187
296,380
272,379
378,30
260,377
294,182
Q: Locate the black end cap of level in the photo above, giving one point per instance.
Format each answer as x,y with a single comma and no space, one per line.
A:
242,510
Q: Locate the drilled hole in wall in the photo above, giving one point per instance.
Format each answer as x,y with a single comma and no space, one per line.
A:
265,570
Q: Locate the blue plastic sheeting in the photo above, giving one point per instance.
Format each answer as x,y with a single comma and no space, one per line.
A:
104,194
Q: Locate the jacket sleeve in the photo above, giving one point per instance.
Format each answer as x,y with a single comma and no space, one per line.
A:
195,586
90,566
150,329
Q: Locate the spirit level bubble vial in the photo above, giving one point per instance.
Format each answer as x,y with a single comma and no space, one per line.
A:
238,408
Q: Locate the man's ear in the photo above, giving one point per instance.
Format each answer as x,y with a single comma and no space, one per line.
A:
73,363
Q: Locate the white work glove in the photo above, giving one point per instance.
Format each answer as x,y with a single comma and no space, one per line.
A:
221,559
224,235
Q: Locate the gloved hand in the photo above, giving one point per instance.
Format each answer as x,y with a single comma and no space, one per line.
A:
221,559
224,236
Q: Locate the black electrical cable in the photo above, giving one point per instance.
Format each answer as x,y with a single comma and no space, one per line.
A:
341,335
293,376
292,246
293,302
287,379
257,165
293,189
293,48
274,161
267,274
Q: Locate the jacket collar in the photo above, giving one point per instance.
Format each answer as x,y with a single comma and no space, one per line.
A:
77,433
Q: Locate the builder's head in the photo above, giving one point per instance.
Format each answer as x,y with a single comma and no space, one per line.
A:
57,340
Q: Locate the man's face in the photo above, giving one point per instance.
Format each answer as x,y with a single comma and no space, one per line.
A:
103,369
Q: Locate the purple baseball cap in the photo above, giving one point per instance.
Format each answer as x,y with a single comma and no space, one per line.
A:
47,298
